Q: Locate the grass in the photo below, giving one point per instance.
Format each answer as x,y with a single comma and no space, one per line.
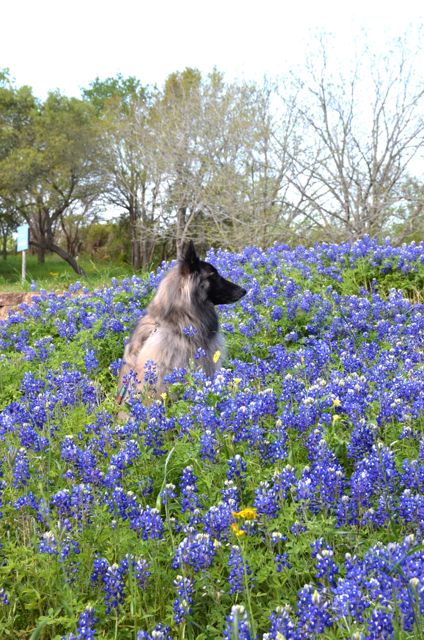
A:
56,274
333,400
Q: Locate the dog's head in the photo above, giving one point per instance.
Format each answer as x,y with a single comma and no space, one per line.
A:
211,285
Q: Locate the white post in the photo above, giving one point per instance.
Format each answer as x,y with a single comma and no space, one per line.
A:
23,266
22,245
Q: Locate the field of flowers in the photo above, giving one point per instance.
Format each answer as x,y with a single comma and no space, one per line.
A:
282,500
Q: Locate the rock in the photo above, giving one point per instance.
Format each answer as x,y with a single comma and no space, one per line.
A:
10,300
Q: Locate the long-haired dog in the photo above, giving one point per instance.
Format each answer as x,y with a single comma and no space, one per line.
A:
180,322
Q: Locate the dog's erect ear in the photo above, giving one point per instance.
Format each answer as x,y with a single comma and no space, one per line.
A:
189,259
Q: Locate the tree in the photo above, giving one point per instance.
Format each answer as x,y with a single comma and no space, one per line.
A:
50,167
271,211
75,222
204,130
16,107
408,216
362,129
8,224
131,177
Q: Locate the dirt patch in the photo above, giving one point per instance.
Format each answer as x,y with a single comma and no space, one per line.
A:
9,301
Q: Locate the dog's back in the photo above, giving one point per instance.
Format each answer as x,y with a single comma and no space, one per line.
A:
180,326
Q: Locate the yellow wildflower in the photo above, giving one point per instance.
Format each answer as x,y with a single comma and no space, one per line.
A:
247,514
216,356
237,531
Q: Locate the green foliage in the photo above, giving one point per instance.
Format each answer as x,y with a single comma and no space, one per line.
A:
198,158
104,94
49,594
55,274
107,242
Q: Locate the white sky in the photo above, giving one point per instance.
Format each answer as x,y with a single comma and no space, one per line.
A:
58,44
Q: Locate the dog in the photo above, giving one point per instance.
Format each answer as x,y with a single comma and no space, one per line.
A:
180,324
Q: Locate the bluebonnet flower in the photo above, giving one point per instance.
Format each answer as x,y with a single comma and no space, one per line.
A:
374,474
49,544
21,473
362,439
277,448
177,375
197,550
76,504
276,313
68,547
124,504
160,632
157,424
384,576
217,520
349,600
239,570
290,289
231,494
38,506
313,613
208,445
291,336
3,596
324,561
115,366
237,625
114,585
85,627
281,560
149,522
282,625
168,493
150,373
90,360
237,468
380,627
344,376
188,489
142,572
66,328
346,511
269,495
3,486
189,331
182,603
31,386
100,566
74,287
411,508
200,353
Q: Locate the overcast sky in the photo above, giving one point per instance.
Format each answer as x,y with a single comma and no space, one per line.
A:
59,44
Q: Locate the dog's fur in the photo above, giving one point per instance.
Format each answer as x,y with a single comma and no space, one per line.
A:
184,300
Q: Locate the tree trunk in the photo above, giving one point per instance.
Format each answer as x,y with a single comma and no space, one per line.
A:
135,240
41,254
51,246
181,222
4,247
